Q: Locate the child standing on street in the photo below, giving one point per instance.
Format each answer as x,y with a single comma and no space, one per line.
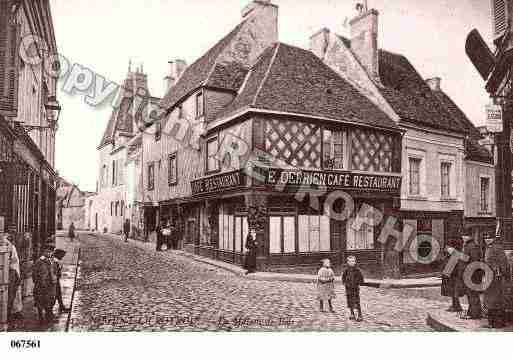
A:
326,285
352,279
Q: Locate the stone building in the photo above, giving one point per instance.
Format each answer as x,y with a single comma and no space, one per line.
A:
263,136
445,171
111,205
71,206
28,122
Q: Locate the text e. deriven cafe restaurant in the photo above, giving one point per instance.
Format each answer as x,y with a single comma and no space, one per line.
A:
286,208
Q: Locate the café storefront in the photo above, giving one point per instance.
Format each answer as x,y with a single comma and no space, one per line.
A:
299,216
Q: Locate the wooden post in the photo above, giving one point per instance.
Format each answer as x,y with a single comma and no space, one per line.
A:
4,284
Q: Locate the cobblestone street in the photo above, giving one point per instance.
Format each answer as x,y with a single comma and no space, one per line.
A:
123,287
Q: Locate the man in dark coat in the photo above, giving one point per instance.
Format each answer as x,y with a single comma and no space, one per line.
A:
250,259
160,238
452,283
473,251
126,229
71,232
352,278
494,300
45,285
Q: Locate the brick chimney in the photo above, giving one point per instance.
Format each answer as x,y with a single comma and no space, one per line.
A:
434,83
319,43
364,39
176,69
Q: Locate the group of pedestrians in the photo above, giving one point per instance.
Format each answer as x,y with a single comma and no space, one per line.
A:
167,234
455,285
46,275
352,279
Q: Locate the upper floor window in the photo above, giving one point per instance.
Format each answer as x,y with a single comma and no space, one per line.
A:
172,170
200,105
445,176
485,195
333,149
414,176
151,176
212,148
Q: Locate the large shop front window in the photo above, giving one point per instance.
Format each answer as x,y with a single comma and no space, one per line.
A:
314,233
282,234
359,235
333,149
233,230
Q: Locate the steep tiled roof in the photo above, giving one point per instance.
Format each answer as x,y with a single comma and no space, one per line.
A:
474,150
294,80
410,96
202,71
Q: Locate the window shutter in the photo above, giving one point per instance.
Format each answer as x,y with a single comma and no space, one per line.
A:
500,20
9,35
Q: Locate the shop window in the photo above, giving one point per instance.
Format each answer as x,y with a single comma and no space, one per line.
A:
226,228
485,195
241,232
414,176
212,148
445,177
282,234
333,149
313,233
151,176
359,236
172,170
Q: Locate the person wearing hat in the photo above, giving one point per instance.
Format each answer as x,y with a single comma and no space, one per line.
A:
326,285
57,256
473,251
452,283
494,300
45,285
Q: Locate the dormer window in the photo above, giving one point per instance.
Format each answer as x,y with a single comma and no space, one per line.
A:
200,105
333,149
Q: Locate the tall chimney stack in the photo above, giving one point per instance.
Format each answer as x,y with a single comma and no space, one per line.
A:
364,39
176,69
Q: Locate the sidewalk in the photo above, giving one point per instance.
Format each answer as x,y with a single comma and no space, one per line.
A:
443,321
30,322
287,277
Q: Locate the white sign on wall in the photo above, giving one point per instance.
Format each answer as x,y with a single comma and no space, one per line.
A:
494,118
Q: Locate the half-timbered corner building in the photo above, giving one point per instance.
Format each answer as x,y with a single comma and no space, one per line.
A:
264,136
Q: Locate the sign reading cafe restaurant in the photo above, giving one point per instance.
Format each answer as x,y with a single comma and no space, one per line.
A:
332,180
218,183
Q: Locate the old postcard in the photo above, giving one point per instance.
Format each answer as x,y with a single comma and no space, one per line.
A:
255,166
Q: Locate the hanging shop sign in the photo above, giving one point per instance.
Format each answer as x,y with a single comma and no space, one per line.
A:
494,118
297,179
218,183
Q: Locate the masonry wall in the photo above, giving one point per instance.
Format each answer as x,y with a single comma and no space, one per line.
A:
432,149
474,171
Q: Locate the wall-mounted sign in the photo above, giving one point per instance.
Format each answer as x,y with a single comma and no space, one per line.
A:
218,183
330,179
494,118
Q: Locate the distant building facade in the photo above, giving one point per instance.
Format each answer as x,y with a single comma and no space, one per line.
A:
71,206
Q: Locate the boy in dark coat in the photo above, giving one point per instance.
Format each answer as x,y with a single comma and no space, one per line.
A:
352,279
45,285
126,229
452,283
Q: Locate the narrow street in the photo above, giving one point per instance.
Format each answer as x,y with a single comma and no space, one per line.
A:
123,287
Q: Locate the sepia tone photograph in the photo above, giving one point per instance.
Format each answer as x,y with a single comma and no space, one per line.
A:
255,166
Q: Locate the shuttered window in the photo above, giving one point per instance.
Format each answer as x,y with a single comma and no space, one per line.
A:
9,35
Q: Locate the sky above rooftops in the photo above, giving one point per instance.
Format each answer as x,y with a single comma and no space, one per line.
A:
104,34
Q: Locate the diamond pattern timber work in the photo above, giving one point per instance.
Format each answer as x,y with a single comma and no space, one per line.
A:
372,151
296,143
